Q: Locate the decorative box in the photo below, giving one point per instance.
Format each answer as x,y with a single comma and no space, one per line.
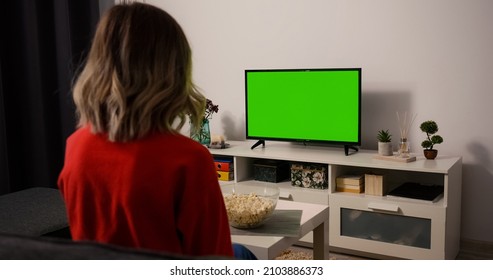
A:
309,175
374,185
223,164
270,170
225,175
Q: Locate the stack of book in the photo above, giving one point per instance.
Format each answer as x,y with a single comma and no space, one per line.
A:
224,168
350,183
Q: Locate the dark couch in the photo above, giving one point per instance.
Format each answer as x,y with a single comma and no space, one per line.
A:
17,247
33,212
33,225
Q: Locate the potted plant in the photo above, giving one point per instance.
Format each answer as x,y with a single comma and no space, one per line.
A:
430,128
384,143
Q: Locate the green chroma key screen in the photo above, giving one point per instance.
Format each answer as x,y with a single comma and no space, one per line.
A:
304,105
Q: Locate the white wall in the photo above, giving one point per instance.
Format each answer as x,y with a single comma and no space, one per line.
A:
430,58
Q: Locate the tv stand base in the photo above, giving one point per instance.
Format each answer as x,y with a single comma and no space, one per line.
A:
259,142
347,147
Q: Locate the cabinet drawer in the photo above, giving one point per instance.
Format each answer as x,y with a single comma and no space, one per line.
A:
383,227
386,227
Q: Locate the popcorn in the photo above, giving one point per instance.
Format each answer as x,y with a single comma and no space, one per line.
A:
247,210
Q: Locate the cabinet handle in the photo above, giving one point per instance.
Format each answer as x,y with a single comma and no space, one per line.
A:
383,207
285,195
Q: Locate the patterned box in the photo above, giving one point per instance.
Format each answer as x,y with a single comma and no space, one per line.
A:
309,175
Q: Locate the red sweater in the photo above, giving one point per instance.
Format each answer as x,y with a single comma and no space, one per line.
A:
159,193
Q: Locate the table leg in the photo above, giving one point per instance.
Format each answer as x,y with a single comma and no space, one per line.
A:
318,242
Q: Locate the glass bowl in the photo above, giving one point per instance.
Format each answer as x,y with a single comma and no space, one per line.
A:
249,206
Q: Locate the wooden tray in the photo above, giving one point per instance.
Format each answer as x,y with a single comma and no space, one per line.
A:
395,158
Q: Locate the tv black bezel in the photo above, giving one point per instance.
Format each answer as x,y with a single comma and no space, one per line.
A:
299,140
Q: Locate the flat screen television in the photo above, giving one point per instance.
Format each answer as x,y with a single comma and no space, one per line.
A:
304,105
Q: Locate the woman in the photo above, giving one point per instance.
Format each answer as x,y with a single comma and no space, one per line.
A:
129,177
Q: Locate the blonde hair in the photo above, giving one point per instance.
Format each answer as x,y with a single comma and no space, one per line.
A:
137,77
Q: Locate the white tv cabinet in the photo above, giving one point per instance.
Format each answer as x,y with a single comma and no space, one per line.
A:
377,226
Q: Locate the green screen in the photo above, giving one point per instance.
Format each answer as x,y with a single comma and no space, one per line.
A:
305,105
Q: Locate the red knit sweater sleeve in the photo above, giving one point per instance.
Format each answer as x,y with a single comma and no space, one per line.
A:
203,221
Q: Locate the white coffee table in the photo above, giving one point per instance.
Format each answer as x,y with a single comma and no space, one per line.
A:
313,218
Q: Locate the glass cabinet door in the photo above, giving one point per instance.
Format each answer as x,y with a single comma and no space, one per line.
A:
389,228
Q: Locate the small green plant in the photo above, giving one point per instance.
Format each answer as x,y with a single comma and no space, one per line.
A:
430,128
384,136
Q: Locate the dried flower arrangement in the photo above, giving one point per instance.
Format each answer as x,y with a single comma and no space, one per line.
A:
210,109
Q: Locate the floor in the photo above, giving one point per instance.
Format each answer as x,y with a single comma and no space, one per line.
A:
304,253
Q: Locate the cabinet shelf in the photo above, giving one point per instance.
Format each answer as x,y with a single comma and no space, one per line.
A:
389,200
437,223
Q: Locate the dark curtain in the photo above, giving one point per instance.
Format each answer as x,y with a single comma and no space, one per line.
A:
43,44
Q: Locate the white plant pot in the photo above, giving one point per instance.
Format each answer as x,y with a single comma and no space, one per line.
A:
385,148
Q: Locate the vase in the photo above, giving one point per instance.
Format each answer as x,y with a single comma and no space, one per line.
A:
404,150
385,148
430,154
203,134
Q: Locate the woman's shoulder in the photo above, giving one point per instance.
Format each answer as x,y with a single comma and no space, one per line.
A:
177,142
158,143
80,134
176,139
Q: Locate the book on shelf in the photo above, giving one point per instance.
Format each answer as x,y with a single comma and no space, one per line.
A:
416,191
348,190
353,187
223,164
350,180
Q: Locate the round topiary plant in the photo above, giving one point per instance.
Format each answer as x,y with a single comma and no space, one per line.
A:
430,128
